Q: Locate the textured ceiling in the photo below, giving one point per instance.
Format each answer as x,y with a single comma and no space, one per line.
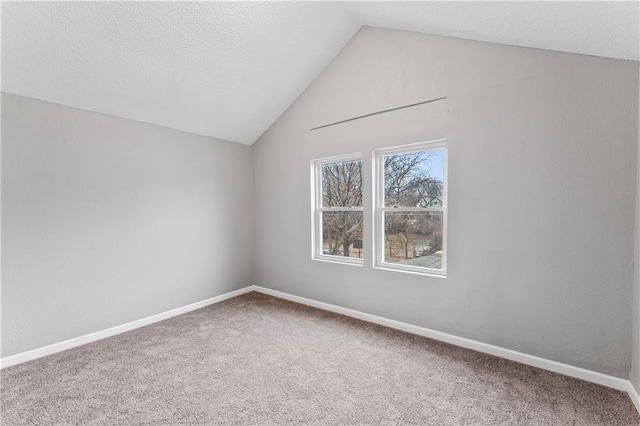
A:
229,70
226,70
600,28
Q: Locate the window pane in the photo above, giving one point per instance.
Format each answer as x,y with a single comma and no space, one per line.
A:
342,184
414,179
413,239
342,234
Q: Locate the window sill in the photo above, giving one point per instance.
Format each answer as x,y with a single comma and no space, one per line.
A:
342,261
429,272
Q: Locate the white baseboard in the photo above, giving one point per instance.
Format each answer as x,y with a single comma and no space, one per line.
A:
92,337
635,396
545,364
556,367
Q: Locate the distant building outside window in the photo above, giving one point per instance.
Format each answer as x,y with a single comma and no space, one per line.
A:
410,208
409,230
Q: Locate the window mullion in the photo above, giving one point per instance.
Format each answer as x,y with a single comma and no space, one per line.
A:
341,185
340,209
411,209
427,225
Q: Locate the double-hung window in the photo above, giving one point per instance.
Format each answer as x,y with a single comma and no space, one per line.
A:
411,208
337,212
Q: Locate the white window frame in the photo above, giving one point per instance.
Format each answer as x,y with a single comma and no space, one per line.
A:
379,209
317,209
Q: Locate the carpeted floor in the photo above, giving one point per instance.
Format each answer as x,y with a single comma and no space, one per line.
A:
256,359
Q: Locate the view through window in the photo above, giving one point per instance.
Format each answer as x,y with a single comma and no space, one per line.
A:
411,202
410,199
339,208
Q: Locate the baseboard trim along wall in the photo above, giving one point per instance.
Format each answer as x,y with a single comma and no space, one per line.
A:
635,396
92,337
554,366
546,364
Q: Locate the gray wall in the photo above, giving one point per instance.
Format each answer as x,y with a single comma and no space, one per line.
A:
635,358
106,221
542,167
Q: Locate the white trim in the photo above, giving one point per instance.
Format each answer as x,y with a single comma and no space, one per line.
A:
411,209
338,158
98,335
317,209
406,269
353,261
634,395
379,208
340,209
545,364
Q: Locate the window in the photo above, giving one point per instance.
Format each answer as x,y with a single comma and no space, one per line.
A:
337,212
411,203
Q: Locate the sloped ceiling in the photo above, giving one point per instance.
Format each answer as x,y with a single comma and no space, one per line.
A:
229,70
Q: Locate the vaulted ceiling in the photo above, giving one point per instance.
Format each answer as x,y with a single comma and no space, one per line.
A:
230,69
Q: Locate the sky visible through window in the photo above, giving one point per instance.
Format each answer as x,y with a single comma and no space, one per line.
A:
435,164
411,238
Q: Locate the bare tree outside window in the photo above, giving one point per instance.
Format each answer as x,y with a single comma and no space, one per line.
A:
409,180
410,213
342,197
411,208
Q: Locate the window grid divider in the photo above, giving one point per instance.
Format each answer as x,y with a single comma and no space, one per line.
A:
379,208
318,210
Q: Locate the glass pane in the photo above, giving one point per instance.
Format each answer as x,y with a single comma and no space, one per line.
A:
414,179
342,184
413,239
342,234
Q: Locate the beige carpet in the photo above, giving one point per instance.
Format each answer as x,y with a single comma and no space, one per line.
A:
261,360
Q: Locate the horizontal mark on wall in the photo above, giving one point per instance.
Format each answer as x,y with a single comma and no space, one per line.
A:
378,112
